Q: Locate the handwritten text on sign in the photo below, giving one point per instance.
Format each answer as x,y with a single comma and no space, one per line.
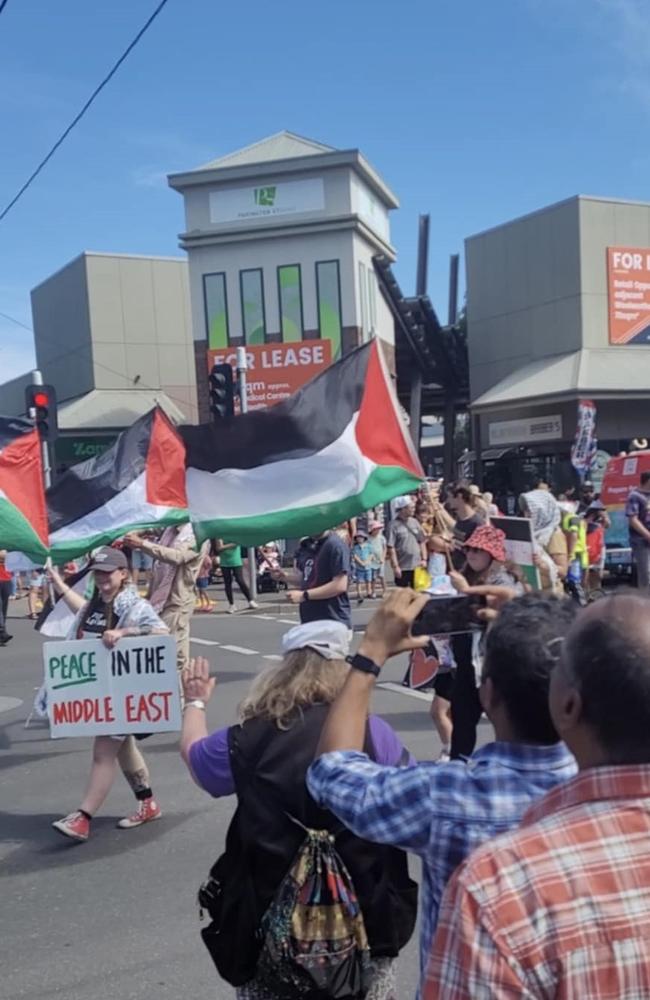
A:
95,691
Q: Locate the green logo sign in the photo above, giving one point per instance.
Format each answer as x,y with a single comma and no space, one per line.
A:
265,196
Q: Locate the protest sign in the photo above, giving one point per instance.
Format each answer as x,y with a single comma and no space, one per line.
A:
96,691
519,546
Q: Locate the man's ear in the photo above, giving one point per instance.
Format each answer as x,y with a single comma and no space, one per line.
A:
568,712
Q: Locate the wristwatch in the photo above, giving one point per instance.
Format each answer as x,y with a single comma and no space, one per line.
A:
305,595
364,664
197,703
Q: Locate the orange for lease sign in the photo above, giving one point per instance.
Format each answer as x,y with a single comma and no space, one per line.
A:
628,290
276,371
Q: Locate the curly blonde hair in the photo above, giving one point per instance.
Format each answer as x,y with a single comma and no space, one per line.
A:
304,678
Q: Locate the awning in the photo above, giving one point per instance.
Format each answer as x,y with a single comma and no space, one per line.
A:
102,409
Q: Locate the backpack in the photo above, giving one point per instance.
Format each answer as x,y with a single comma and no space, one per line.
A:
314,937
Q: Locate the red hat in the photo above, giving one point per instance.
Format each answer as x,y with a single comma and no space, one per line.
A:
488,539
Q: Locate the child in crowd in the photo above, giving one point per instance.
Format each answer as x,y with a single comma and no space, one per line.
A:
361,565
377,545
202,584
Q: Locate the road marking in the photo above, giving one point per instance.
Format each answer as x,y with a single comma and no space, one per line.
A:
205,642
241,649
400,689
7,704
272,656
287,621
262,618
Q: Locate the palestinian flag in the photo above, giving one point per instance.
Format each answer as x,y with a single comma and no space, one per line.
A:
23,519
332,450
138,483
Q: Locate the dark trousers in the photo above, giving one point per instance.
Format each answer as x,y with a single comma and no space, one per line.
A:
465,703
237,572
406,579
5,591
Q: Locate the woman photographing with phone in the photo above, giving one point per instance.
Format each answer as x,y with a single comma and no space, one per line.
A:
115,611
488,574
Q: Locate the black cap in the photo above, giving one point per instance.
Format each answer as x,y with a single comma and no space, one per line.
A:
107,559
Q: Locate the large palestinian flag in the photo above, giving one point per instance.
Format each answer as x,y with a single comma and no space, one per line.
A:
138,483
23,520
332,450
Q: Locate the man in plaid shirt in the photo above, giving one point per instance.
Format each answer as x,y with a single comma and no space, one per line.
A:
561,907
443,811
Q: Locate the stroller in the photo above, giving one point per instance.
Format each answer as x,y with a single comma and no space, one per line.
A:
268,560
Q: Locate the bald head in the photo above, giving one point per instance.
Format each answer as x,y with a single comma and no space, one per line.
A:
607,655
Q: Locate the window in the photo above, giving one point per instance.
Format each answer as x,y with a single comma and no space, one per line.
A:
328,291
372,300
290,299
215,300
363,299
252,306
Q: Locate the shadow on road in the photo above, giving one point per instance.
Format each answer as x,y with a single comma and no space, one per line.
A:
44,848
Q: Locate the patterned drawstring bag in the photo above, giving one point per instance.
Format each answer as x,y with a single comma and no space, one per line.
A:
315,942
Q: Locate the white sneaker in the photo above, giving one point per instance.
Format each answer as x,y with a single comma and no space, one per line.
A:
443,757
232,609
253,605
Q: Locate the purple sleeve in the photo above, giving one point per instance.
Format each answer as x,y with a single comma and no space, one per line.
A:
210,764
632,506
388,748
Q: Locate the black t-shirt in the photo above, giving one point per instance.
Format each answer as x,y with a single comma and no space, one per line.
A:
462,530
95,622
331,558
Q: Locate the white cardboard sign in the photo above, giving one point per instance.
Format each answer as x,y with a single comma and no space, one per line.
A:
96,691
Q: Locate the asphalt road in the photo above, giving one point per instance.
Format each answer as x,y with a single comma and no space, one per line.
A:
115,918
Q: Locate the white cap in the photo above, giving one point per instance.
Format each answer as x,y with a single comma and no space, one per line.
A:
329,638
403,502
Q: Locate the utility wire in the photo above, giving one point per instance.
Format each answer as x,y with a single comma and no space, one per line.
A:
88,103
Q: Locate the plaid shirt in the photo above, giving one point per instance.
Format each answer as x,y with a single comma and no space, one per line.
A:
559,908
439,811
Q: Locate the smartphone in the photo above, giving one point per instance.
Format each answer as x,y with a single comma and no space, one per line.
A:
447,615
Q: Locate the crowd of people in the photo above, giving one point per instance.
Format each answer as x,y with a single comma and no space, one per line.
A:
535,848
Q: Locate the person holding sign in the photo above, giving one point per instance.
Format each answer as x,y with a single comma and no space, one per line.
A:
115,611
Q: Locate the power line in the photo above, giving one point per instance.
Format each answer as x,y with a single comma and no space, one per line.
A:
78,117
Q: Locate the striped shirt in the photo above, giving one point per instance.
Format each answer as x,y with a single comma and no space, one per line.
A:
559,908
439,811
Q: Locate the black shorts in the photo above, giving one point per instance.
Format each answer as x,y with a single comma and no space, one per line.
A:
443,684
406,579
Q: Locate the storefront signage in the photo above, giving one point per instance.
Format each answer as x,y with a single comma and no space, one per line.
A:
267,200
276,371
530,429
96,691
628,290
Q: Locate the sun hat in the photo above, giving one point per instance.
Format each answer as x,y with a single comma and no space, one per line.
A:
328,638
403,502
360,533
107,559
488,539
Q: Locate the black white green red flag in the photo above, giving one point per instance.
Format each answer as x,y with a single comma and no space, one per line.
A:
23,518
138,483
332,450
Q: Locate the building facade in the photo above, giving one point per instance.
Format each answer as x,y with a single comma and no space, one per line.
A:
280,239
557,312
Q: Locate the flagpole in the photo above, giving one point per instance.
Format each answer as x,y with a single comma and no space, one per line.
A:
242,365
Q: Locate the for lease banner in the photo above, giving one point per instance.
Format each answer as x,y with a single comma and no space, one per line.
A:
628,287
276,371
96,691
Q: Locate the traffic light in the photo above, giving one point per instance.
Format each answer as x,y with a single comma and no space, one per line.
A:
40,403
222,392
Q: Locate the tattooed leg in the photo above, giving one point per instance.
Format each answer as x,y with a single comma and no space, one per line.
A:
134,769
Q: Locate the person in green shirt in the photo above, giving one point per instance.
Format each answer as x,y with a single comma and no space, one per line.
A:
231,562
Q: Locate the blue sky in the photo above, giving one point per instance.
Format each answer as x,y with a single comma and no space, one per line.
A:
473,111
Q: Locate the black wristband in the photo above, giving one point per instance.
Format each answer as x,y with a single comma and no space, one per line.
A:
364,664
305,595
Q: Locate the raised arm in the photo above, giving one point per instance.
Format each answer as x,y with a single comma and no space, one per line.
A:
74,601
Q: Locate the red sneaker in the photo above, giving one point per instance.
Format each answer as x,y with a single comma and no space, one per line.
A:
76,826
148,810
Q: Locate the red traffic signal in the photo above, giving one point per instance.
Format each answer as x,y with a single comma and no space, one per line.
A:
40,404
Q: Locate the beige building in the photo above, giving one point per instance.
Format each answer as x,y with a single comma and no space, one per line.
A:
548,325
280,238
